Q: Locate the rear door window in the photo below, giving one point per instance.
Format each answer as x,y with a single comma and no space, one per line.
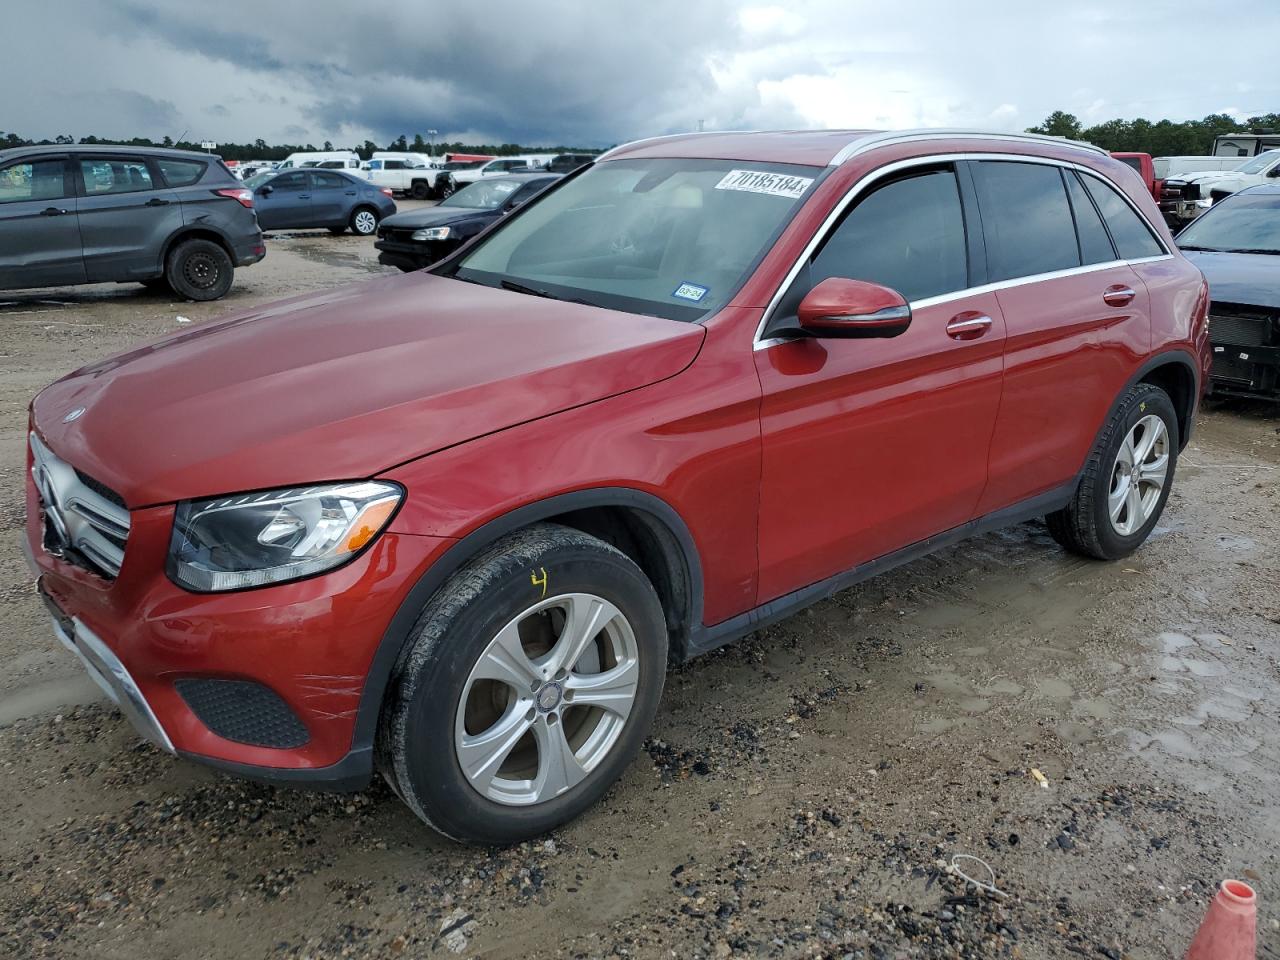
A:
33,180
115,176
907,235
1026,219
1095,245
1133,238
180,173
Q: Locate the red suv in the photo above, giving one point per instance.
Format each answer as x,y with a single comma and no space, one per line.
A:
454,525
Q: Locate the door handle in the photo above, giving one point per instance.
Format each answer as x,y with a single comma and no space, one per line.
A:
969,325
304,196
1118,295
156,202
52,212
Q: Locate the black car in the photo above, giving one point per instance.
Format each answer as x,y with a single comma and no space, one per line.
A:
417,238
569,162
441,185
168,219
1236,245
311,197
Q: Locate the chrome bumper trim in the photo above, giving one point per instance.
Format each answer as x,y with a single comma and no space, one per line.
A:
110,674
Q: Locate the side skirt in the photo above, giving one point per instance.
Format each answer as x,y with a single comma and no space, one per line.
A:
705,639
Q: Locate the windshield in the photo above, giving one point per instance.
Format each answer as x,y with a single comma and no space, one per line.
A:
483,194
1135,162
671,238
1245,223
1259,163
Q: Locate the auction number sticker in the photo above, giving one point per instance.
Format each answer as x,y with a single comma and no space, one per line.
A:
761,181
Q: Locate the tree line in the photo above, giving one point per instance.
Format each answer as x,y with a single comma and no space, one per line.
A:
261,150
1160,138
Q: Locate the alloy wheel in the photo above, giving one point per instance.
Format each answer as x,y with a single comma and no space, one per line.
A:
365,222
547,700
1138,476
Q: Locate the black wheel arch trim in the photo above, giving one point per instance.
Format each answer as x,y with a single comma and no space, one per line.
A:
194,231
397,631
1175,356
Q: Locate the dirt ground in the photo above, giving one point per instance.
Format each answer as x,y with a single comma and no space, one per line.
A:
803,792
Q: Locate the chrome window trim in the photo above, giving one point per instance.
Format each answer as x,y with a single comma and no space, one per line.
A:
880,172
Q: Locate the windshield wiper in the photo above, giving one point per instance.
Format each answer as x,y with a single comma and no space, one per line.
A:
1264,250
1188,246
535,292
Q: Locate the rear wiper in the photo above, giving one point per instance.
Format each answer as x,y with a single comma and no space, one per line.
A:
535,292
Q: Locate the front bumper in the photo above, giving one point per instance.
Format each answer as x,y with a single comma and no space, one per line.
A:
307,648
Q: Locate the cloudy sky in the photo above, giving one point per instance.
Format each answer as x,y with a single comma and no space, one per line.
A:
595,73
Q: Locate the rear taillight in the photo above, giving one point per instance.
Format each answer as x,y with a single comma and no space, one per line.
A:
242,195
387,191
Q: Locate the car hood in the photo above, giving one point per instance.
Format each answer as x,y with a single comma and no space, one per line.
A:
1249,279
344,384
434,217
1205,176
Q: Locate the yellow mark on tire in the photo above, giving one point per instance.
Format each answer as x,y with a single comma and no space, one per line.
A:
540,581
1143,406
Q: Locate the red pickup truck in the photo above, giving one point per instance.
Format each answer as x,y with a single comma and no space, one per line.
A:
1146,169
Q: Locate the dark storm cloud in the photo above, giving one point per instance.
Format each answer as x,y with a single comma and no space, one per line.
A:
569,71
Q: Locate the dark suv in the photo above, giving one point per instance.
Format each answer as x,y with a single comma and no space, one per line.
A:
169,219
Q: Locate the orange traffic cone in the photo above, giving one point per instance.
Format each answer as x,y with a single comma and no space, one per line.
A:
1229,930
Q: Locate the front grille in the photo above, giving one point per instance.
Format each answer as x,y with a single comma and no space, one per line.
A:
1238,372
243,711
1243,330
85,522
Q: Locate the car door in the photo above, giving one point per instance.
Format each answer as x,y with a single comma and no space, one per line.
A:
872,445
284,201
1076,316
127,214
39,230
332,196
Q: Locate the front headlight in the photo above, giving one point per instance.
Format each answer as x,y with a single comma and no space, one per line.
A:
230,543
432,233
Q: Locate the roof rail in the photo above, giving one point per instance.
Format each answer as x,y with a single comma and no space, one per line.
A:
871,141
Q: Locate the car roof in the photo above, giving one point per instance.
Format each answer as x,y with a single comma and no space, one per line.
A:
104,149
818,148
1270,189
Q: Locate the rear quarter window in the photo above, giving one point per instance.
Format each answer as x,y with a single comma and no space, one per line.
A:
1133,238
180,173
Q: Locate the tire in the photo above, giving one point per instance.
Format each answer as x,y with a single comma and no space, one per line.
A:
338,231
1108,517
448,189
438,709
364,221
421,190
199,270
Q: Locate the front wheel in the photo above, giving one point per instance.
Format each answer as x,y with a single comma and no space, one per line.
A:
199,270
448,189
1126,481
364,222
527,685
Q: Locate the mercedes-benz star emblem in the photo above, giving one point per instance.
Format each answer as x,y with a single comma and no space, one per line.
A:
75,414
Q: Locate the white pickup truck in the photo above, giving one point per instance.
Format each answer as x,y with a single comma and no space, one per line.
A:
407,176
497,167
1192,194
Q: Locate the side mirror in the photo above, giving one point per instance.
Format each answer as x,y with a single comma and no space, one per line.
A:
266,190
512,205
837,307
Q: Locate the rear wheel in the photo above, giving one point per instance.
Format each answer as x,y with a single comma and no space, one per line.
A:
1126,481
421,190
364,221
527,686
199,270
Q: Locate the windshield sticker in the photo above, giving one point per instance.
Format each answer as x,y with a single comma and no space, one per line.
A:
760,181
690,291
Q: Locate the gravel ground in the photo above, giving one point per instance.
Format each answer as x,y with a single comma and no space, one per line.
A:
803,793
